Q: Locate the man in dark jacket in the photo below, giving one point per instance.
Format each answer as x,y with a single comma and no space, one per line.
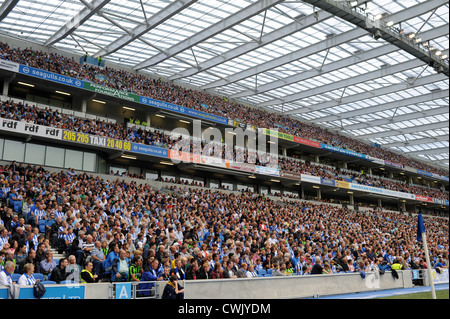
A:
58,273
317,269
31,259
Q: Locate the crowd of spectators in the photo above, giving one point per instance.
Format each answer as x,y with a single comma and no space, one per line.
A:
169,92
121,231
31,113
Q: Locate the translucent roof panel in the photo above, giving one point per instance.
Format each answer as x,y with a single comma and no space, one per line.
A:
283,56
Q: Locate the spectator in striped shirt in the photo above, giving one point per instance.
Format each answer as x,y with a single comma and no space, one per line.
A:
3,236
69,238
39,214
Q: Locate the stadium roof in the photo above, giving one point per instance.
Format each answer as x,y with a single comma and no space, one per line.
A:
300,58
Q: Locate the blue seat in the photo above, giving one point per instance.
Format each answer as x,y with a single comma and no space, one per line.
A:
38,276
15,277
65,282
262,272
269,271
48,282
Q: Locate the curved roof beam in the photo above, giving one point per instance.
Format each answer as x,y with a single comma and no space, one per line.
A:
433,151
418,141
210,32
315,48
386,106
369,76
77,20
379,28
266,39
400,118
330,67
372,94
407,130
6,8
159,18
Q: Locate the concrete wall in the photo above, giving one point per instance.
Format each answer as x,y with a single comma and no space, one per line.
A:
294,287
276,287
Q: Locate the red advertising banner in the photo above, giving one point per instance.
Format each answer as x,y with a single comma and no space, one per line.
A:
184,157
304,141
424,198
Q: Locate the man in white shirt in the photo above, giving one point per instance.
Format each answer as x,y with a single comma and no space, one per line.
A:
5,274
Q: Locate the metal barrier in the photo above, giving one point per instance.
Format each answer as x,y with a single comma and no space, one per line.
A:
137,292
418,277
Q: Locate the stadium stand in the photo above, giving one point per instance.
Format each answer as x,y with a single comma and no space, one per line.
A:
196,225
90,191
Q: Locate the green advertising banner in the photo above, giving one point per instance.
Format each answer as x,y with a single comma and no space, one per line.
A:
111,92
278,134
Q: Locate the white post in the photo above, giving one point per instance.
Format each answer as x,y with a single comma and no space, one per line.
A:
427,256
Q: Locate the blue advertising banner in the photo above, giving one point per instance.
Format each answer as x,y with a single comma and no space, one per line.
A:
342,151
425,173
4,293
441,201
45,75
183,110
327,181
149,150
55,292
437,176
267,171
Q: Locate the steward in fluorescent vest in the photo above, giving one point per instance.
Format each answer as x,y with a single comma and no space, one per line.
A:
86,275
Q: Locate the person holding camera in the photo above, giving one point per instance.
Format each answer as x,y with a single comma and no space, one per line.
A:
173,290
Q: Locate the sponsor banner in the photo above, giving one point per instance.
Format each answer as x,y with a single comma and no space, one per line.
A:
70,291
9,66
375,160
392,164
381,191
30,129
4,294
410,169
425,173
95,140
180,156
441,201
250,168
149,150
440,278
291,175
444,178
45,75
342,184
267,171
182,110
235,123
111,92
310,179
342,151
291,138
304,141
434,175
424,198
279,135
212,161
327,181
